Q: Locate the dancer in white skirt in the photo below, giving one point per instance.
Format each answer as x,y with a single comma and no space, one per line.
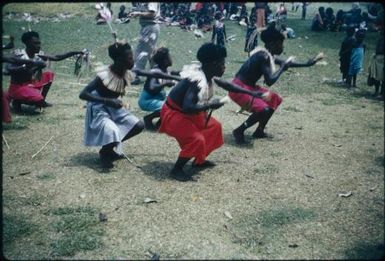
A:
108,122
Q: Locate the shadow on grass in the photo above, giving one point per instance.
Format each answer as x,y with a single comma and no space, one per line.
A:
230,140
87,159
365,94
160,170
364,251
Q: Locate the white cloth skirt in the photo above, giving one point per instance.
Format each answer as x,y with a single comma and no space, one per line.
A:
104,125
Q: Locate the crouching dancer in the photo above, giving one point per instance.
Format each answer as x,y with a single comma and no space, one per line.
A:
29,84
262,63
108,122
184,116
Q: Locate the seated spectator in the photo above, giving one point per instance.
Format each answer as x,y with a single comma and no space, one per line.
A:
123,16
330,19
317,24
321,11
339,22
287,32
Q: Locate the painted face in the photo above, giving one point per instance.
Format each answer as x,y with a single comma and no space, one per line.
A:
34,44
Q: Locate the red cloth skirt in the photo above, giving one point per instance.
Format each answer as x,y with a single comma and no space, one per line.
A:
257,104
30,91
5,114
189,130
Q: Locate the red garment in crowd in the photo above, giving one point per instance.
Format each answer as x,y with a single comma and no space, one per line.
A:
30,91
6,114
198,6
257,104
195,140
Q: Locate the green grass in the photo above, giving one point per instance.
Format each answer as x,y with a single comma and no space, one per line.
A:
79,230
16,226
272,203
279,217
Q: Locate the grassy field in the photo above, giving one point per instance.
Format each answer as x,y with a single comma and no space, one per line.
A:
273,199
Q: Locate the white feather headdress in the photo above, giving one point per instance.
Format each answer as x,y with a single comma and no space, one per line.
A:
194,73
262,49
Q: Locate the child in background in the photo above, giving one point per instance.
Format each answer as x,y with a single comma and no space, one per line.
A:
287,32
251,36
356,58
345,53
123,16
219,30
153,94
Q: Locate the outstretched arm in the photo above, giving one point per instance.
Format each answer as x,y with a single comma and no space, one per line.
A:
16,64
309,63
269,76
58,57
160,75
231,87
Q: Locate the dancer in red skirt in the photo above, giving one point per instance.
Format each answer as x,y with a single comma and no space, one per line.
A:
184,116
262,63
29,84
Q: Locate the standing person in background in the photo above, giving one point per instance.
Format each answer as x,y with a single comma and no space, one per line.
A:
345,53
356,58
304,8
251,36
260,13
376,68
149,33
219,30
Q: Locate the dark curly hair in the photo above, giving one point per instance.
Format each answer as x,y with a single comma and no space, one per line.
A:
209,52
28,36
117,50
271,35
160,55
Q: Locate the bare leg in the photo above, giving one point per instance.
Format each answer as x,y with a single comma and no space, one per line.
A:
105,155
349,81
177,171
354,81
135,130
377,88
260,131
239,132
148,120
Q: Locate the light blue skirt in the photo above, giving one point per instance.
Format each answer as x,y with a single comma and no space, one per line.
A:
148,102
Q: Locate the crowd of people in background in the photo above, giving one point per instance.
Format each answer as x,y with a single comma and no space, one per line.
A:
371,19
